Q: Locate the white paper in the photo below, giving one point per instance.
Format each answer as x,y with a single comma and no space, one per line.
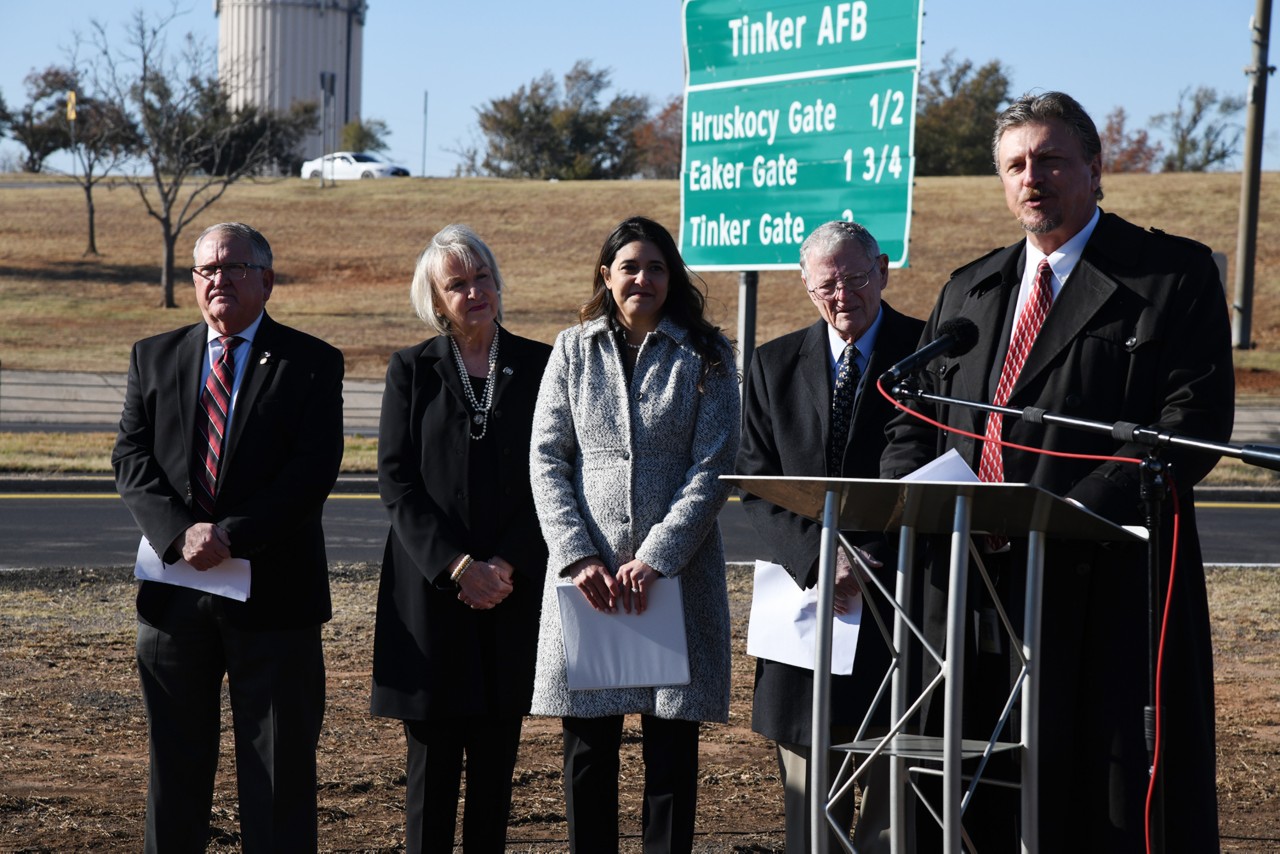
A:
948,468
621,650
784,622
229,578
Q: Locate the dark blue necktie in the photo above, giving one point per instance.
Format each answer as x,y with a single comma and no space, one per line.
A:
847,376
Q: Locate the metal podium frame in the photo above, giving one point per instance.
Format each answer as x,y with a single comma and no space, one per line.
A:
913,508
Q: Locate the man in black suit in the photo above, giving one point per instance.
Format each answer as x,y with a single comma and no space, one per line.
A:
786,431
256,495
1137,331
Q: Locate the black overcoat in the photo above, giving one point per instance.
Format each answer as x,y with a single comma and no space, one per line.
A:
434,656
1139,333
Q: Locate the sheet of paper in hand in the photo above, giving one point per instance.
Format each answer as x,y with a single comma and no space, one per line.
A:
621,650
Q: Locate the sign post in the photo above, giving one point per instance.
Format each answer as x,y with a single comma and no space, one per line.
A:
796,113
71,120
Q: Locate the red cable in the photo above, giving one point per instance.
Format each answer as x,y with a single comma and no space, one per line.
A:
949,429
1168,596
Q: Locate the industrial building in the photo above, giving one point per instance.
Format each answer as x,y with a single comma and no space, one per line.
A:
275,53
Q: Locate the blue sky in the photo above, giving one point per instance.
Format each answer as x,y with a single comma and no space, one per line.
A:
1138,54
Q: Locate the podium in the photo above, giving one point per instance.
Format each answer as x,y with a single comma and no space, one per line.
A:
914,508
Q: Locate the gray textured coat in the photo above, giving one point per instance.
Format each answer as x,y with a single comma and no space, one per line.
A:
633,472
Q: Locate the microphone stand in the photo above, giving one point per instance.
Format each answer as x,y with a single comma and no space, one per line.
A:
1263,456
1153,489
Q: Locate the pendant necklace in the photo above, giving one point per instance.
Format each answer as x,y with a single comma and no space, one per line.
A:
480,410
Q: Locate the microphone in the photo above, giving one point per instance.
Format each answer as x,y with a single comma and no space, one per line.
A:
955,337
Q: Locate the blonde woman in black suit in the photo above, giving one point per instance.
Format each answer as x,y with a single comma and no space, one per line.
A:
457,621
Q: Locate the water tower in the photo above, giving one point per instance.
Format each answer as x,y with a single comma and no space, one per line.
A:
275,53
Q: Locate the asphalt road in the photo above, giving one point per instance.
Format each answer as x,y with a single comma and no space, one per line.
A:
95,530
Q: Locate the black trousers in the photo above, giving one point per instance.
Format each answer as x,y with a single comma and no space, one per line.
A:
591,765
434,770
276,683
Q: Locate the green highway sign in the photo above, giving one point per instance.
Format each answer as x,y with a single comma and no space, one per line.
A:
795,113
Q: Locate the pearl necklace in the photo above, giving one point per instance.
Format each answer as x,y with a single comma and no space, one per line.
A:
622,336
480,411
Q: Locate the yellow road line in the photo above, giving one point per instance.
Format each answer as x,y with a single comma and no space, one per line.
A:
62,496
370,496
99,496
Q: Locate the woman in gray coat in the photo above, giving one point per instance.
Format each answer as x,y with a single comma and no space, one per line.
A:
636,420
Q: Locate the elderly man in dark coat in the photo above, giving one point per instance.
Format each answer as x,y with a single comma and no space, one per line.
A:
787,430
230,440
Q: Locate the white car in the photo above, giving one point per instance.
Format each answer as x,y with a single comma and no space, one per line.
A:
345,165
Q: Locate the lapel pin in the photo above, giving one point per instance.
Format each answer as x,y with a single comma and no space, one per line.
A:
507,370
266,356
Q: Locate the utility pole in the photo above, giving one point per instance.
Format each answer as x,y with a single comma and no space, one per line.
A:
425,93
1250,178
328,129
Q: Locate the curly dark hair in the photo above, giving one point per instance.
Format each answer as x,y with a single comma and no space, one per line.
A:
686,302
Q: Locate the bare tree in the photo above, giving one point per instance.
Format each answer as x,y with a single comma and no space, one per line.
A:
1123,151
468,152
187,130
468,165
102,137
1202,134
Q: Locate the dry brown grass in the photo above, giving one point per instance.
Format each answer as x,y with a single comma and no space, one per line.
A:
90,453
344,256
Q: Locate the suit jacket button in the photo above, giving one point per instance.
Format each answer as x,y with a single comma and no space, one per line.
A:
1072,401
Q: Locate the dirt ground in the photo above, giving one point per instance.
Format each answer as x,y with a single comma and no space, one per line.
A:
73,733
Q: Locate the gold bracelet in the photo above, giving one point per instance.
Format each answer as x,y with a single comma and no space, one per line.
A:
467,560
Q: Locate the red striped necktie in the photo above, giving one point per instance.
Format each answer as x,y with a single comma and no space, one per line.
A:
991,467
211,424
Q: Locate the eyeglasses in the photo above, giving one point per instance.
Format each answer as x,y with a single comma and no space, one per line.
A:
851,282
233,272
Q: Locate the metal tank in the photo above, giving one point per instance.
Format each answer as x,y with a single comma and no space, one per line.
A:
275,53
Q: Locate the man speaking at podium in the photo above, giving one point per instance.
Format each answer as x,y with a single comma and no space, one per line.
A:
1094,318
